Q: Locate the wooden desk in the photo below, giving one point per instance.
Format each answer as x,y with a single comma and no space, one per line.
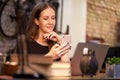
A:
100,76
62,77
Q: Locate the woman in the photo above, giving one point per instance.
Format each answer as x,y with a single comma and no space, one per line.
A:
41,38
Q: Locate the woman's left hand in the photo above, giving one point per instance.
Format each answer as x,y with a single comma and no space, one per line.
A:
52,36
57,51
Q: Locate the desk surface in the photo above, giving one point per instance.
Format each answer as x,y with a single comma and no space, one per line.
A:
100,76
44,68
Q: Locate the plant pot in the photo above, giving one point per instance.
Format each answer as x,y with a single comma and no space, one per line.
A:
113,70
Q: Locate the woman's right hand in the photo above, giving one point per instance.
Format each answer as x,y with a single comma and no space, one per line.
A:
57,51
52,36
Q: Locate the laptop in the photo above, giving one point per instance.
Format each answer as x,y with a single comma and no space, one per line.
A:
100,51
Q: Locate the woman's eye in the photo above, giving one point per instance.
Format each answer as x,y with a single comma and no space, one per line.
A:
45,18
53,18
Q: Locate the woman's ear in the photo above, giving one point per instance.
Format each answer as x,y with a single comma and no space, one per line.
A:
36,21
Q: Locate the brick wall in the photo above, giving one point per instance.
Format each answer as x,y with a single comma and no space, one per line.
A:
103,18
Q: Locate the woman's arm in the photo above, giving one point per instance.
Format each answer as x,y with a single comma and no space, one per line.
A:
59,50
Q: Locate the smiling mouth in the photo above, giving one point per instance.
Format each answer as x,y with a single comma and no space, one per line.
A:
49,27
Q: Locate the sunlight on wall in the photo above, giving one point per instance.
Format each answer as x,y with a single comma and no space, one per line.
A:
74,15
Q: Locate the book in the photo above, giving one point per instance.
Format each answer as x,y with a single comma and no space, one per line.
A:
40,59
37,64
60,69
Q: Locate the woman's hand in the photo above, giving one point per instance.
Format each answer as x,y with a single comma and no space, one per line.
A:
57,51
52,36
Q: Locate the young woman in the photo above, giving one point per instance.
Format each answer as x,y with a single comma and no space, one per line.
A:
41,38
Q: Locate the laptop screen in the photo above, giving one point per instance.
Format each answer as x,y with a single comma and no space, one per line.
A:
100,52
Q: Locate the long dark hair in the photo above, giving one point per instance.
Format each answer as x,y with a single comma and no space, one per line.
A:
32,29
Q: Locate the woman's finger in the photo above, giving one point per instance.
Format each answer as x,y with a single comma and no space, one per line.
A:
63,45
64,50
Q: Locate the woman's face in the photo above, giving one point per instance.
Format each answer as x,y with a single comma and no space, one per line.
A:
46,21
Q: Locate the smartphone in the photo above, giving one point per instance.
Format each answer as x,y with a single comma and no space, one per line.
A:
66,38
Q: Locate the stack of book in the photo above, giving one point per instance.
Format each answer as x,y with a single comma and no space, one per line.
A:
40,64
60,69
45,65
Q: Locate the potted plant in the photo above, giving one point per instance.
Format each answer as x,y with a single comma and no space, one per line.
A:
113,67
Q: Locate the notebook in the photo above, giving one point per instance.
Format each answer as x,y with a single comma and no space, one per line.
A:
100,51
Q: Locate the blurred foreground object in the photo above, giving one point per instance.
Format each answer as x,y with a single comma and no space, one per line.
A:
9,68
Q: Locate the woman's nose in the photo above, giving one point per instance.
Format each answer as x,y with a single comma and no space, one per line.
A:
50,21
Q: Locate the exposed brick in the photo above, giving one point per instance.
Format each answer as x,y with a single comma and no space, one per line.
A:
102,19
